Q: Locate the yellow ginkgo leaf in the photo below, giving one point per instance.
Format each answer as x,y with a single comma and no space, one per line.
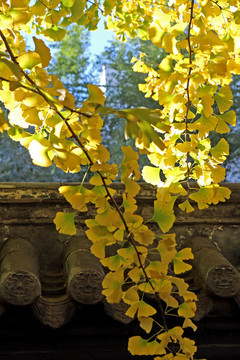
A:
95,95
131,295
132,188
203,196
146,323
77,196
139,346
129,154
188,323
97,233
207,102
144,236
141,308
163,215
167,248
98,248
178,262
43,51
3,122
151,175
110,217
220,151
29,60
65,223
145,309
112,285
181,285
220,194
114,262
224,98
188,347
187,309
39,154
186,206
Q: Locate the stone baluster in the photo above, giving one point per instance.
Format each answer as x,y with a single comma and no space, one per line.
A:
212,269
54,311
84,273
19,272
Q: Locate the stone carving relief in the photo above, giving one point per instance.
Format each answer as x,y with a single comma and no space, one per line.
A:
223,280
19,288
54,312
19,272
84,275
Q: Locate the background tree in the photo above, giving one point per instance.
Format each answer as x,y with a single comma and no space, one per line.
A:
121,87
72,62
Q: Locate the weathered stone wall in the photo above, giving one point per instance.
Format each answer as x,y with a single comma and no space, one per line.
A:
27,210
36,260
63,271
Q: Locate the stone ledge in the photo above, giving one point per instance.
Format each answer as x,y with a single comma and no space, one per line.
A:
58,270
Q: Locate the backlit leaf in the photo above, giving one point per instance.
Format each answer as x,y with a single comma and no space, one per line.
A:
3,122
95,95
29,60
151,175
39,154
43,51
220,151
224,98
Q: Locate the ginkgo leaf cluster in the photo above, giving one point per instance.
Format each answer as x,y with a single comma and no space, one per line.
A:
201,42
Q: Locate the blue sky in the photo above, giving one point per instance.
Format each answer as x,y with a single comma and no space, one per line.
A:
100,38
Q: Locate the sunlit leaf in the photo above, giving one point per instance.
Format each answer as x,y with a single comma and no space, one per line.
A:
3,122
221,150
151,175
224,98
43,51
29,60
39,154
96,95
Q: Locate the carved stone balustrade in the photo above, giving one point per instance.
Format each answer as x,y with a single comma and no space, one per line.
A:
57,273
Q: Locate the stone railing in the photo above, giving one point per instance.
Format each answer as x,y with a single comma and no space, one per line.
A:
54,273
